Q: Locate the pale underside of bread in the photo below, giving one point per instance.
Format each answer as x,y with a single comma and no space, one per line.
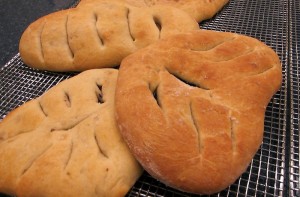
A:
191,107
66,142
198,9
98,35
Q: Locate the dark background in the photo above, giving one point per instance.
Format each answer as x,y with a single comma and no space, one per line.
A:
16,15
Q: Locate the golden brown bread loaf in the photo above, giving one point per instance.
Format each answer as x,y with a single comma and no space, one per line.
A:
191,107
66,142
198,9
96,36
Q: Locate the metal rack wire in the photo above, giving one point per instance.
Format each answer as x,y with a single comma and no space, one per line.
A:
274,171
294,70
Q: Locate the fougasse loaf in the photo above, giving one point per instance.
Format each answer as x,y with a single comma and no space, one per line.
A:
67,143
98,35
191,107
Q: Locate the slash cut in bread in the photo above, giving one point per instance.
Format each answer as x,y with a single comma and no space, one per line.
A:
99,35
66,142
198,9
191,107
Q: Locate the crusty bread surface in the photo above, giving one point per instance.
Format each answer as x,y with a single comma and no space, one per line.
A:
97,35
66,142
191,107
198,9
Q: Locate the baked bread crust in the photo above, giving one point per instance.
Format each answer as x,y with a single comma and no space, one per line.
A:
66,142
97,35
191,107
198,9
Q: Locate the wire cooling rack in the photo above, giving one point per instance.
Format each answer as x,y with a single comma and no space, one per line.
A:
274,171
294,72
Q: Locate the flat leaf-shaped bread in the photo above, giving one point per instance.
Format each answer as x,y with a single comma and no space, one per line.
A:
198,9
99,35
66,142
191,107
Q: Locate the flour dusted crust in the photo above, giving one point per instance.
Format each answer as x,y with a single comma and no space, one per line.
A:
191,107
97,35
66,142
198,9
